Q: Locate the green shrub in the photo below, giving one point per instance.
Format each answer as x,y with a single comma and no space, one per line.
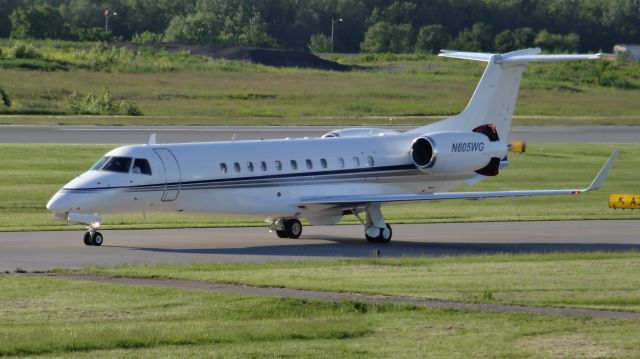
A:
92,34
130,109
24,51
147,36
103,104
616,80
4,99
320,43
103,56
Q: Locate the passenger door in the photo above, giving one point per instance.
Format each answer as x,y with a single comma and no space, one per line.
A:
172,174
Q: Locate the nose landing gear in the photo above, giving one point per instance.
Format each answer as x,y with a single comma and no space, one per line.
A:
92,221
92,237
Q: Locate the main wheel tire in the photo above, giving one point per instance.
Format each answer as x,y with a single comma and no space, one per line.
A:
97,239
384,235
87,239
282,233
370,239
293,227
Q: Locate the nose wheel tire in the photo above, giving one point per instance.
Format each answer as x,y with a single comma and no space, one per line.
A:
384,235
97,239
87,239
93,239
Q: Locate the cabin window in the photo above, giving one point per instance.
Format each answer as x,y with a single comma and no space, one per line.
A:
309,164
118,164
250,166
356,162
370,162
279,165
223,167
141,166
263,166
323,163
341,162
236,166
294,165
100,163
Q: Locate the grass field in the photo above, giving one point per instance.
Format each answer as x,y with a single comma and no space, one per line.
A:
295,96
585,280
410,88
33,173
54,317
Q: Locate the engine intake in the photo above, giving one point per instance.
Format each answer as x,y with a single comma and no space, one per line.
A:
422,153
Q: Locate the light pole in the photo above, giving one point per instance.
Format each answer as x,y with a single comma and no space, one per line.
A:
106,19
333,22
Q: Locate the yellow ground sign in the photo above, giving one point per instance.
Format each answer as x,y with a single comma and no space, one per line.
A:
624,201
518,146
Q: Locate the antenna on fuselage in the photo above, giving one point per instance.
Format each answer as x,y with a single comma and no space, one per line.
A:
152,139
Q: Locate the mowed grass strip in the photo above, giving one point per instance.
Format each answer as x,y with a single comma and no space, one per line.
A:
53,317
583,280
234,92
31,174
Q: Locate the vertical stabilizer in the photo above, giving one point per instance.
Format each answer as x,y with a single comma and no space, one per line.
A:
494,99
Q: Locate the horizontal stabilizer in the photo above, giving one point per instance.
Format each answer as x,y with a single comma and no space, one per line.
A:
475,56
520,56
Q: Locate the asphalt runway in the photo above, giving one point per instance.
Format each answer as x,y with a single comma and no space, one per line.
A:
64,249
173,134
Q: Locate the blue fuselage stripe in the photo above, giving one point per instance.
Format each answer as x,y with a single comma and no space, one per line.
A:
247,180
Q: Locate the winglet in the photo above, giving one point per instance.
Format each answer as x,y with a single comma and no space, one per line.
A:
604,171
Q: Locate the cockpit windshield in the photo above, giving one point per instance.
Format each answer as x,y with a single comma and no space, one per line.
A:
123,165
99,164
117,164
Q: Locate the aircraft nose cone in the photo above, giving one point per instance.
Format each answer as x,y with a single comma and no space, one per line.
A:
56,203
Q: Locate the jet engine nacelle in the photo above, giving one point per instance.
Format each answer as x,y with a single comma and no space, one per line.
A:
458,152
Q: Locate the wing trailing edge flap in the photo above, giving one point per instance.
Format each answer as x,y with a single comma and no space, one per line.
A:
321,203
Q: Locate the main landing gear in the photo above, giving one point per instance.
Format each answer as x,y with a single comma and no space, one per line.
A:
287,228
93,237
375,229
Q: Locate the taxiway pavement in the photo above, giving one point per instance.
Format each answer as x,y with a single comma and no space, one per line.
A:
64,249
173,134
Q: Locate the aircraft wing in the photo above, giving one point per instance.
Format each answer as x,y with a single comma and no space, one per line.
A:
320,203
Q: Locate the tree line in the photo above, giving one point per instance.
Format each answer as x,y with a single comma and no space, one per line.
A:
367,25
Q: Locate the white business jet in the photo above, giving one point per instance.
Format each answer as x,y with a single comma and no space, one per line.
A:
348,171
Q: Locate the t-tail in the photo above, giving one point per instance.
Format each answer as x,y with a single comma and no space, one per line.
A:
494,99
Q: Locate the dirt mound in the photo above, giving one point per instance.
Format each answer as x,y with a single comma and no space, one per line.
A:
269,57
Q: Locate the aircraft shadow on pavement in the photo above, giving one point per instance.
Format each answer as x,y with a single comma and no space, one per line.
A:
357,247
